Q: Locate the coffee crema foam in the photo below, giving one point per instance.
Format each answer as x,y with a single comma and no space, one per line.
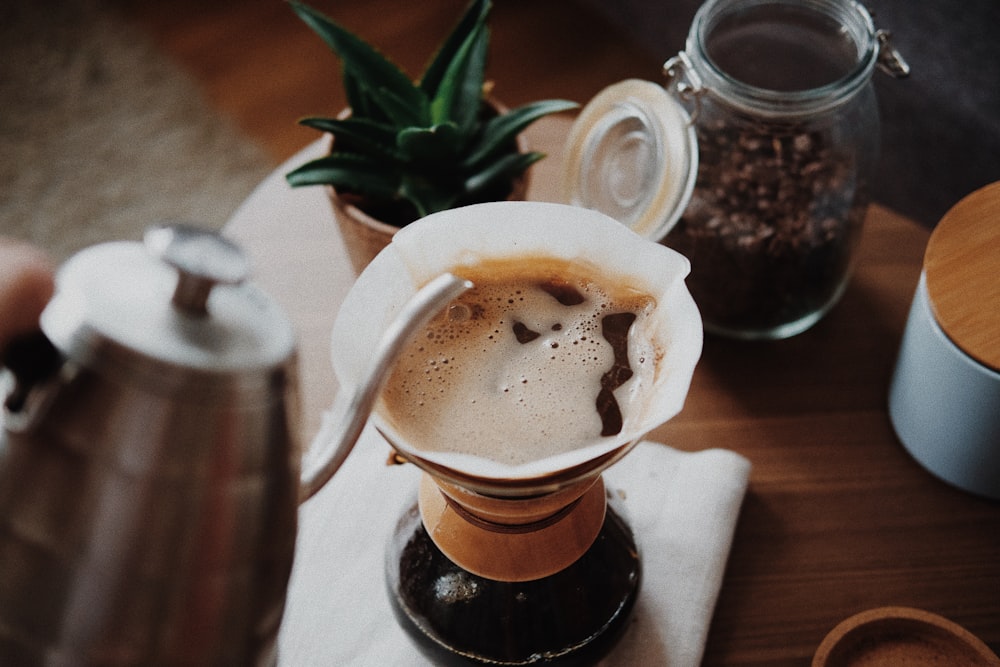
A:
523,366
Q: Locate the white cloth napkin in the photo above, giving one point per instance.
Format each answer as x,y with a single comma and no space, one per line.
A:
683,508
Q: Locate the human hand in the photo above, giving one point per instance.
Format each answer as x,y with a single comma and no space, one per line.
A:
26,285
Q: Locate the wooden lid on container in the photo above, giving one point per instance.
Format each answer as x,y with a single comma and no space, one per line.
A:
962,266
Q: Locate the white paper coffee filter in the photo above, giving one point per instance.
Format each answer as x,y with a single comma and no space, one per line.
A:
438,243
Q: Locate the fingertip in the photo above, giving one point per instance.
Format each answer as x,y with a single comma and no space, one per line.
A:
26,284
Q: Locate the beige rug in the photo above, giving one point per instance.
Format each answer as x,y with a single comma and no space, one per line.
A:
101,136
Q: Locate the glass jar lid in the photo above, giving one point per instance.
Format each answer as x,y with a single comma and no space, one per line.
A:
632,154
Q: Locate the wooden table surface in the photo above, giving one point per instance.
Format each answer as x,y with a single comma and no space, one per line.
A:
838,518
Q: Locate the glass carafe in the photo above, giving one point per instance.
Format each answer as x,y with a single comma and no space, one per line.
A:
479,579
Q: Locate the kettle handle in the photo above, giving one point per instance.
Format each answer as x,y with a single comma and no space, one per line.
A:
421,307
33,363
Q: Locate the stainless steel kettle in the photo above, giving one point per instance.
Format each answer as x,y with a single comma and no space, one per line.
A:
149,463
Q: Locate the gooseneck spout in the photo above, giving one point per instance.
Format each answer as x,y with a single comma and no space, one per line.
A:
321,465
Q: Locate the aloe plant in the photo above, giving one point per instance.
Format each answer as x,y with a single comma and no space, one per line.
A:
416,147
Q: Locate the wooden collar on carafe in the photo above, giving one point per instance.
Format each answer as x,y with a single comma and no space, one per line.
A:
513,539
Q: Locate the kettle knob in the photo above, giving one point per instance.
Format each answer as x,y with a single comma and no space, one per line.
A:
202,259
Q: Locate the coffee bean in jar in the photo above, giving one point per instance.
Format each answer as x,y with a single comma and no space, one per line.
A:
787,130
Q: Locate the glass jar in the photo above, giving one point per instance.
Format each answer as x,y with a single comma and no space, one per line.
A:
780,96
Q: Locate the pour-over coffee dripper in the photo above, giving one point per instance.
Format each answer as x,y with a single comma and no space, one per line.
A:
523,563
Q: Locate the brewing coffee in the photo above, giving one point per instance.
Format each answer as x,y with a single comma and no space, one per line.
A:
578,339
536,360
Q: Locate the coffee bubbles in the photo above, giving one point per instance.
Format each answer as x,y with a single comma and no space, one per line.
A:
587,318
538,359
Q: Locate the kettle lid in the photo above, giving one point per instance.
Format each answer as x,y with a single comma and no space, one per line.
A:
176,307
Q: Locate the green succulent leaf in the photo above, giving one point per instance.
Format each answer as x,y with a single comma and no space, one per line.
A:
500,170
364,63
475,15
459,97
426,196
501,130
356,173
399,110
438,144
363,134
359,99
